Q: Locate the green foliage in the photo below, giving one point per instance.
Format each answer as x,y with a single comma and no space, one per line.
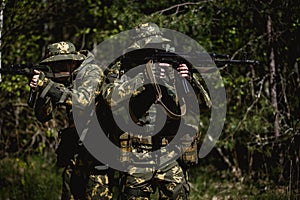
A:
30,178
207,182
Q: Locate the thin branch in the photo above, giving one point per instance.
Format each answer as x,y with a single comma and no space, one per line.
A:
249,43
226,160
285,98
288,134
252,105
177,6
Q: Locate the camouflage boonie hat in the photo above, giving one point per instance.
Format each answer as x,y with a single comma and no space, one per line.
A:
62,51
147,33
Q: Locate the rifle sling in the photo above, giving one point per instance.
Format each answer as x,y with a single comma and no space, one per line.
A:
159,93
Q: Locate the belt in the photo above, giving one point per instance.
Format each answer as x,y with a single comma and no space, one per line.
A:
136,192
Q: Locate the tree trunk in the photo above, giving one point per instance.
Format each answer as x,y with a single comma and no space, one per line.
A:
273,92
273,83
2,6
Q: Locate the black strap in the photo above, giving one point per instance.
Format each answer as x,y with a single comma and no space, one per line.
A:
136,192
159,93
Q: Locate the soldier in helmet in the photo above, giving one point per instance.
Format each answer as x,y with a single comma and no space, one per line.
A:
83,176
143,178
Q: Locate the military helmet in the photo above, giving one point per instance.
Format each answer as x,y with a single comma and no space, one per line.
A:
62,51
147,33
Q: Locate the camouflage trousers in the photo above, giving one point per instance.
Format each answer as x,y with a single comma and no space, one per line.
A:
83,182
170,180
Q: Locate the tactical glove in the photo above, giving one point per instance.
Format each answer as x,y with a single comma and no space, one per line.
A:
56,91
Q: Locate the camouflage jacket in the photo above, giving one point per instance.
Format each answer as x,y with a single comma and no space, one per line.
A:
82,89
136,88
132,96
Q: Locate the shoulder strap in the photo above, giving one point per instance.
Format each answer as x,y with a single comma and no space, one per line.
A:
159,93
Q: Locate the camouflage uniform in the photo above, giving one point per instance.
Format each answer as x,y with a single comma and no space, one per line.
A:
141,181
83,176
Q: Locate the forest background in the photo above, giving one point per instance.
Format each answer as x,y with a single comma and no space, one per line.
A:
257,155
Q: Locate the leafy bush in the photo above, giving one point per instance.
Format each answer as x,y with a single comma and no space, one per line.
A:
208,182
29,178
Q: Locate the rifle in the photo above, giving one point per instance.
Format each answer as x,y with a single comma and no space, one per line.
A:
27,70
199,61
196,62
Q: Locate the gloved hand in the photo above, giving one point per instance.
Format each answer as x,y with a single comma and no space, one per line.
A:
37,79
47,87
183,71
159,70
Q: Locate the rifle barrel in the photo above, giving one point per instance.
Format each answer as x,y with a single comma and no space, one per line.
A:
23,69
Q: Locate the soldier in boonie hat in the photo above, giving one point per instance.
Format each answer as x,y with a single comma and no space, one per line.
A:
63,59
73,83
62,51
154,85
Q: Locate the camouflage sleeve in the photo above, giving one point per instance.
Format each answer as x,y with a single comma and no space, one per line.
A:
203,94
43,109
85,88
122,89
